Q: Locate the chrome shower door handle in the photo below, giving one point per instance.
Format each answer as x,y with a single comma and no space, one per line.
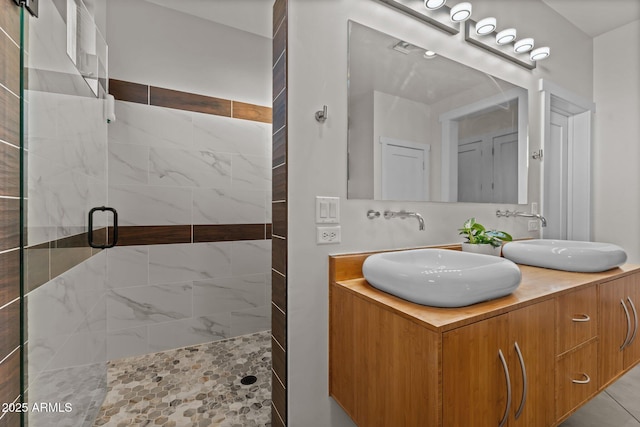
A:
90,228
508,380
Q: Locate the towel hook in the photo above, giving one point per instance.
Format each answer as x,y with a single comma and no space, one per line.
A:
321,115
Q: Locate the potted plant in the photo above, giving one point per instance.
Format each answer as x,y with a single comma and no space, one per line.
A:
481,240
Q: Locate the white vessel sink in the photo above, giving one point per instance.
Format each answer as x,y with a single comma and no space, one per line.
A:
441,277
568,255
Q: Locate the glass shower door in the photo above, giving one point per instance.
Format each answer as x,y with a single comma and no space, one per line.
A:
64,169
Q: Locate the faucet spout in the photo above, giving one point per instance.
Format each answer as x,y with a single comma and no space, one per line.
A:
543,220
404,214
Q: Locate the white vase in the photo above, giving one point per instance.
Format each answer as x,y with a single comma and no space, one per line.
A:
484,248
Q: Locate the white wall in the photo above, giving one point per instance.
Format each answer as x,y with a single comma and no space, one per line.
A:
159,46
616,155
317,161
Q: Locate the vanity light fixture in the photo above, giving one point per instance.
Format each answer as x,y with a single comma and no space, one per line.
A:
451,19
432,12
434,4
506,36
429,54
540,53
502,45
461,12
523,45
486,26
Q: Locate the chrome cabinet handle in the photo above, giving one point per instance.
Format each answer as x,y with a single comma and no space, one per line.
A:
524,381
635,317
626,312
581,318
587,379
508,379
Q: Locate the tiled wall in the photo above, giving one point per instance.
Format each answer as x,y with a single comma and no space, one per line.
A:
67,343
279,214
190,176
9,209
169,296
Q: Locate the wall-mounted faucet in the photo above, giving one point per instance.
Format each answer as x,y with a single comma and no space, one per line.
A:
508,213
404,214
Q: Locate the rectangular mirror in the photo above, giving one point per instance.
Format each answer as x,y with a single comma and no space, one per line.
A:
425,128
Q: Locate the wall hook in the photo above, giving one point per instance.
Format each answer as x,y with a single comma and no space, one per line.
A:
537,155
321,115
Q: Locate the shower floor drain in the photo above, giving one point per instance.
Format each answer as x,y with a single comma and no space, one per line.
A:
249,379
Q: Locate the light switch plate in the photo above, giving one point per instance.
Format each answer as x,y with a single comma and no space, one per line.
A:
534,208
327,210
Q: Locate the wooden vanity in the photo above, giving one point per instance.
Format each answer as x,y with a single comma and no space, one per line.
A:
529,359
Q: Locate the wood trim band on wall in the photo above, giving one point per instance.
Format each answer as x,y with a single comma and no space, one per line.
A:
186,101
10,348
279,213
48,260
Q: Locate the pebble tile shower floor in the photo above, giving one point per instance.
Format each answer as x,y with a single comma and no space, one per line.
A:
192,386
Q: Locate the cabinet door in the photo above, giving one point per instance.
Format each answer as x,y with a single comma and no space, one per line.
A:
613,327
577,318
474,381
576,378
532,332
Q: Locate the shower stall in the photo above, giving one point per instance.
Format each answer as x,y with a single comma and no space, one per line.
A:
145,217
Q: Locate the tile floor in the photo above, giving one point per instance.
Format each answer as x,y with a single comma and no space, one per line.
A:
192,386
617,406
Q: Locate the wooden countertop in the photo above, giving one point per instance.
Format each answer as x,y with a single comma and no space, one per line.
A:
537,284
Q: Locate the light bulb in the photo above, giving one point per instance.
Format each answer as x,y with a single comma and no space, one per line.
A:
506,36
540,53
485,26
434,4
461,12
523,45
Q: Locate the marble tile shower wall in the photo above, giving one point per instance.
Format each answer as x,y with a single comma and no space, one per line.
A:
169,167
67,174
174,167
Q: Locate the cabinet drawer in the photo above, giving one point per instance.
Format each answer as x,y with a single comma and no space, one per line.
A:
577,318
576,378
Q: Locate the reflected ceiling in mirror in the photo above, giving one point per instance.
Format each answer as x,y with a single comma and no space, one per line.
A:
425,128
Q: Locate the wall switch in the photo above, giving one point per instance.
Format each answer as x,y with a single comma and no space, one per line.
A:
327,210
328,235
533,225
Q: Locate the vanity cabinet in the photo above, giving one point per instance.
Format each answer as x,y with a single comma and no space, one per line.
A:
619,338
498,372
528,359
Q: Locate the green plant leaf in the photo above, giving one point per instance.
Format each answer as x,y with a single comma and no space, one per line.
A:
476,233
